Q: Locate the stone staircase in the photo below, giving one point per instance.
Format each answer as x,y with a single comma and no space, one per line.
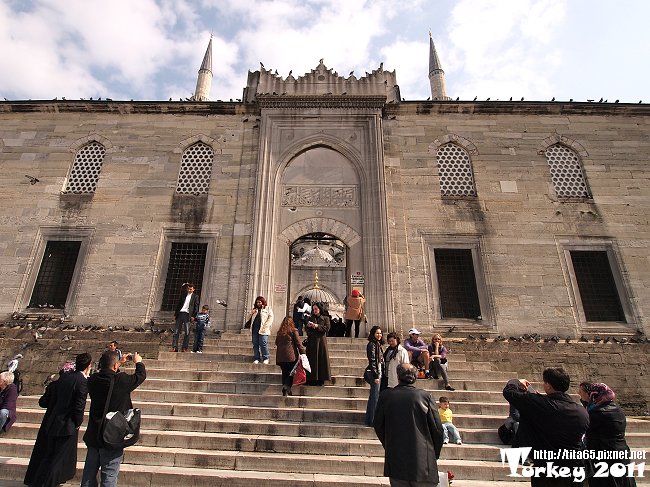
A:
217,419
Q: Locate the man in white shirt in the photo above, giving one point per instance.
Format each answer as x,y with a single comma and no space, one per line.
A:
186,311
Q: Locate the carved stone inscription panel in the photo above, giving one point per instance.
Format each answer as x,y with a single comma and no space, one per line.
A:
326,196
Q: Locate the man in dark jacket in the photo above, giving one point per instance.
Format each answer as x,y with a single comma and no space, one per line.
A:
552,422
409,428
185,312
99,456
54,457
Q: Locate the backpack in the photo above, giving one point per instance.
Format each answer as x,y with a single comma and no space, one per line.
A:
505,434
18,381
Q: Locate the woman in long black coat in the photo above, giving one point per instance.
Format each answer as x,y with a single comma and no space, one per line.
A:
319,359
606,431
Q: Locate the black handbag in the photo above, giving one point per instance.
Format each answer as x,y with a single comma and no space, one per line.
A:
369,375
118,430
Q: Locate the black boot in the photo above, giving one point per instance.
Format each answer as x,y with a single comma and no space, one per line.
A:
284,391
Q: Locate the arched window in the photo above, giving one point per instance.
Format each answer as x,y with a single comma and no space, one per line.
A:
455,171
566,172
196,169
85,170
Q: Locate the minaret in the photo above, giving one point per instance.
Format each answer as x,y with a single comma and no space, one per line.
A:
436,74
204,81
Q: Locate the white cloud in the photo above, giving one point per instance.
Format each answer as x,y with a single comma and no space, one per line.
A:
503,47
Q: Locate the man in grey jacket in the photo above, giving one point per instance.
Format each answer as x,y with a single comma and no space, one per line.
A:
409,428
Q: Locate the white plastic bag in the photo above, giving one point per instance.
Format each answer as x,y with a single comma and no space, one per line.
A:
305,362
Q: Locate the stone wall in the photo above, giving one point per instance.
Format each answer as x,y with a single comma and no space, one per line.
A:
517,226
517,222
624,367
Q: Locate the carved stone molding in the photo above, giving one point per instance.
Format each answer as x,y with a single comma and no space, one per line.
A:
454,139
79,143
323,101
561,139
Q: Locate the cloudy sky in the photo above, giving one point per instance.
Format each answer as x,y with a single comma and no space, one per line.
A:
152,49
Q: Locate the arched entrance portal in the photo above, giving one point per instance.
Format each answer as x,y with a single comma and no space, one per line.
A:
321,179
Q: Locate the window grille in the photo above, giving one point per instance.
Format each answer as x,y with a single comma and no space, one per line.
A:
457,284
598,293
55,275
455,171
186,264
566,172
85,169
196,170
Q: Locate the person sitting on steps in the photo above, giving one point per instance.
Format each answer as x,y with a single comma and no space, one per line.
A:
438,361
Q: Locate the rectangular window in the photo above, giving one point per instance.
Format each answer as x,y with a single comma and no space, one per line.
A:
457,284
597,287
186,264
55,274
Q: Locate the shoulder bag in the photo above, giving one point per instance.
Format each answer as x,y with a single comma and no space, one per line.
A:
118,430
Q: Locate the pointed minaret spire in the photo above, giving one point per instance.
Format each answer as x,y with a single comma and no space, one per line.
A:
204,81
436,74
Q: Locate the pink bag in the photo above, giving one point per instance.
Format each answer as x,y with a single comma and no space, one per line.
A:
299,376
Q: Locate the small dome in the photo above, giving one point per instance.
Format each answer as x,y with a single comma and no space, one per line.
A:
317,253
318,295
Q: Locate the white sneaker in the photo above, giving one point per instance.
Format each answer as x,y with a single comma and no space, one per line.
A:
445,441
256,361
459,442
200,351
192,351
266,362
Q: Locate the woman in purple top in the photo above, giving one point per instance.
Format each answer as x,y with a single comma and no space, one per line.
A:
438,355
8,397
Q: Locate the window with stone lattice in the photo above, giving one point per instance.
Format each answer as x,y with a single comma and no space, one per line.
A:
455,171
566,172
196,170
85,169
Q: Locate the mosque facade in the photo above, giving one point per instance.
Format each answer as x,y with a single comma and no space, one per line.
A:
484,217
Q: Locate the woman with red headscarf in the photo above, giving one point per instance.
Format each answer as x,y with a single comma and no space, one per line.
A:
606,432
353,312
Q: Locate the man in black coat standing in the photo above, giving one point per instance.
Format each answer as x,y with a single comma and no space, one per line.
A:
185,312
54,457
550,423
99,456
409,428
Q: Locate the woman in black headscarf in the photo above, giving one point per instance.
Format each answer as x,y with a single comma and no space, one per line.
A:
319,360
606,433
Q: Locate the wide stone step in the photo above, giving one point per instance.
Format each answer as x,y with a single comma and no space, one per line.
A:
242,441
201,423
341,357
484,474
282,462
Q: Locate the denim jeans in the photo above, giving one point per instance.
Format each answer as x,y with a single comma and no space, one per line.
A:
260,342
4,417
182,322
449,430
108,461
372,403
198,338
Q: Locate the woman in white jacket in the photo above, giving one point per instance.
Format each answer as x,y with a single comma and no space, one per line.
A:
394,355
261,318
